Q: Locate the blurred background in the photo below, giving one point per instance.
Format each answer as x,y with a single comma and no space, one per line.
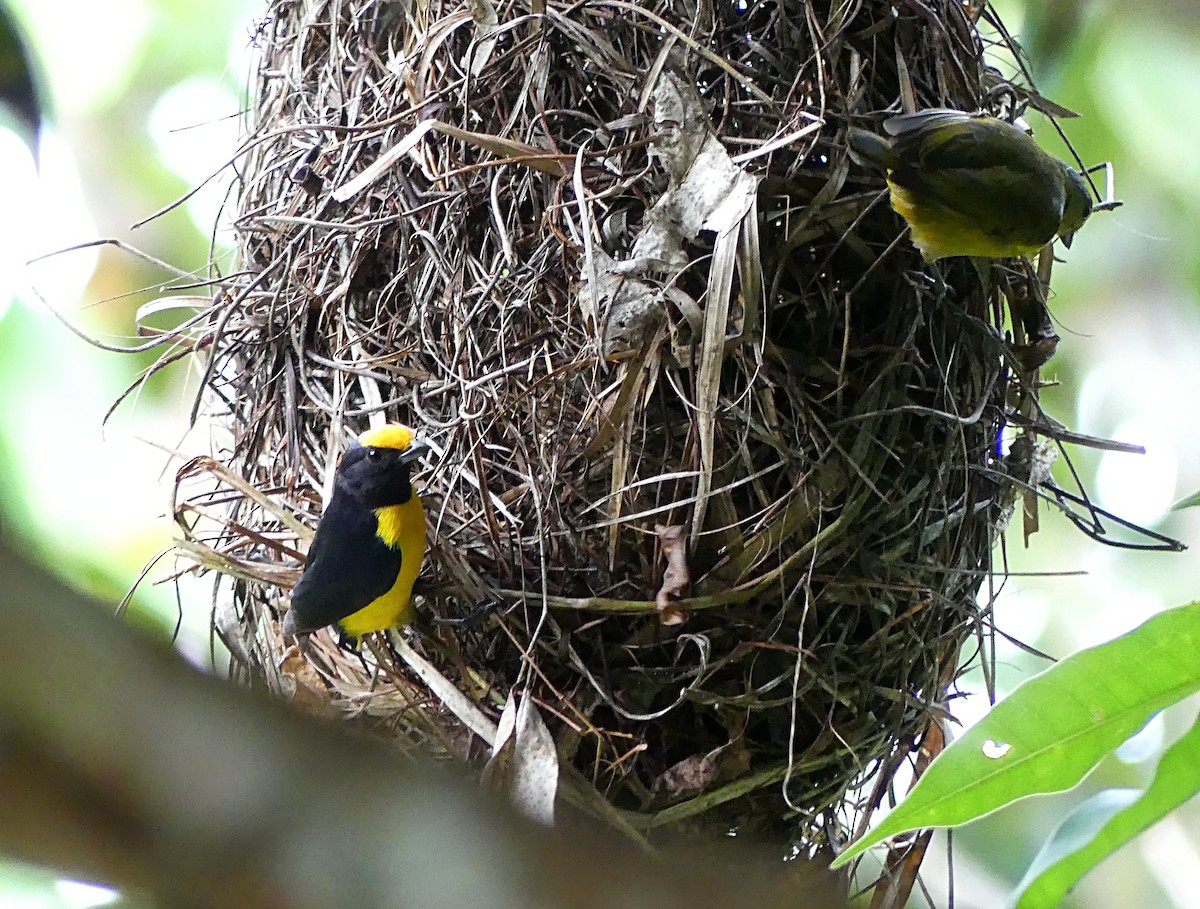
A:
144,99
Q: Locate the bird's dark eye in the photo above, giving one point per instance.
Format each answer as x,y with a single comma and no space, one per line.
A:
374,454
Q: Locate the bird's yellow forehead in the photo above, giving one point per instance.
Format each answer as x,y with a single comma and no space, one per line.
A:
393,435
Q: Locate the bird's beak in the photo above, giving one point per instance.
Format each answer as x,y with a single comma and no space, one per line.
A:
415,451
1067,238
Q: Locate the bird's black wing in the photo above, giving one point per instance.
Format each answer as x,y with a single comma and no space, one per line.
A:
348,567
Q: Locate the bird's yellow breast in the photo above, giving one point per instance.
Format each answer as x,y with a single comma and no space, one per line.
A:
400,527
939,232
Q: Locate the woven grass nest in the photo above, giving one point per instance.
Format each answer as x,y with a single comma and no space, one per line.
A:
715,475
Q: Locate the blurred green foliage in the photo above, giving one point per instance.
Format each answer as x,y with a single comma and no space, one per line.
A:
92,503
1125,303
1126,307
91,499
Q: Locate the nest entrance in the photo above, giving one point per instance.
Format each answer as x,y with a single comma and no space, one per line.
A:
706,433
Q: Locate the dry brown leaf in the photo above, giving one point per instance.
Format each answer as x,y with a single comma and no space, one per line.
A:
692,775
309,692
676,577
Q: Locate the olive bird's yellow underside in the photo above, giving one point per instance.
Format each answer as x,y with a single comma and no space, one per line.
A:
939,232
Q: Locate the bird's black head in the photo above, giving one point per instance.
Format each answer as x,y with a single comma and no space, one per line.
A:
375,469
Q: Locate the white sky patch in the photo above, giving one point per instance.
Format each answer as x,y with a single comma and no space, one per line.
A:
44,211
196,125
88,63
1112,601
972,706
996,750
1144,744
242,57
1022,612
1171,853
1141,389
78,895
1140,488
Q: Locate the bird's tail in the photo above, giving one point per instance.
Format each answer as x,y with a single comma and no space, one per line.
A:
870,150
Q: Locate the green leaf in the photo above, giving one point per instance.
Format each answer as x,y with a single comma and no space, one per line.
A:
1106,822
1187,502
1054,728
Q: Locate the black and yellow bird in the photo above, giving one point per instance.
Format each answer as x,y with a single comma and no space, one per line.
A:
369,543
971,185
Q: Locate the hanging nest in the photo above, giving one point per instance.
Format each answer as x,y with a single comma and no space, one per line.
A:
715,477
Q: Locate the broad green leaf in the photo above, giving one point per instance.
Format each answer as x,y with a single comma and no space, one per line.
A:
1187,502
1106,822
1053,729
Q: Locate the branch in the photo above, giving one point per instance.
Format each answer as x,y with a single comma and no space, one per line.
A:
120,763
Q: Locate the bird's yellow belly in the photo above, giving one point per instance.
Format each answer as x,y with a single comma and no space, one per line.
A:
940,232
391,609
400,527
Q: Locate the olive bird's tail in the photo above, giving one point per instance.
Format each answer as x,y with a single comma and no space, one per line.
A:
870,150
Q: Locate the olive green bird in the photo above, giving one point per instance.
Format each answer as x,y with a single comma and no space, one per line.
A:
970,185
369,544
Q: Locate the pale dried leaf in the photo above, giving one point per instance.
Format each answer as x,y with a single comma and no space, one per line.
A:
676,577
486,25
524,761
707,190
628,308
498,770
